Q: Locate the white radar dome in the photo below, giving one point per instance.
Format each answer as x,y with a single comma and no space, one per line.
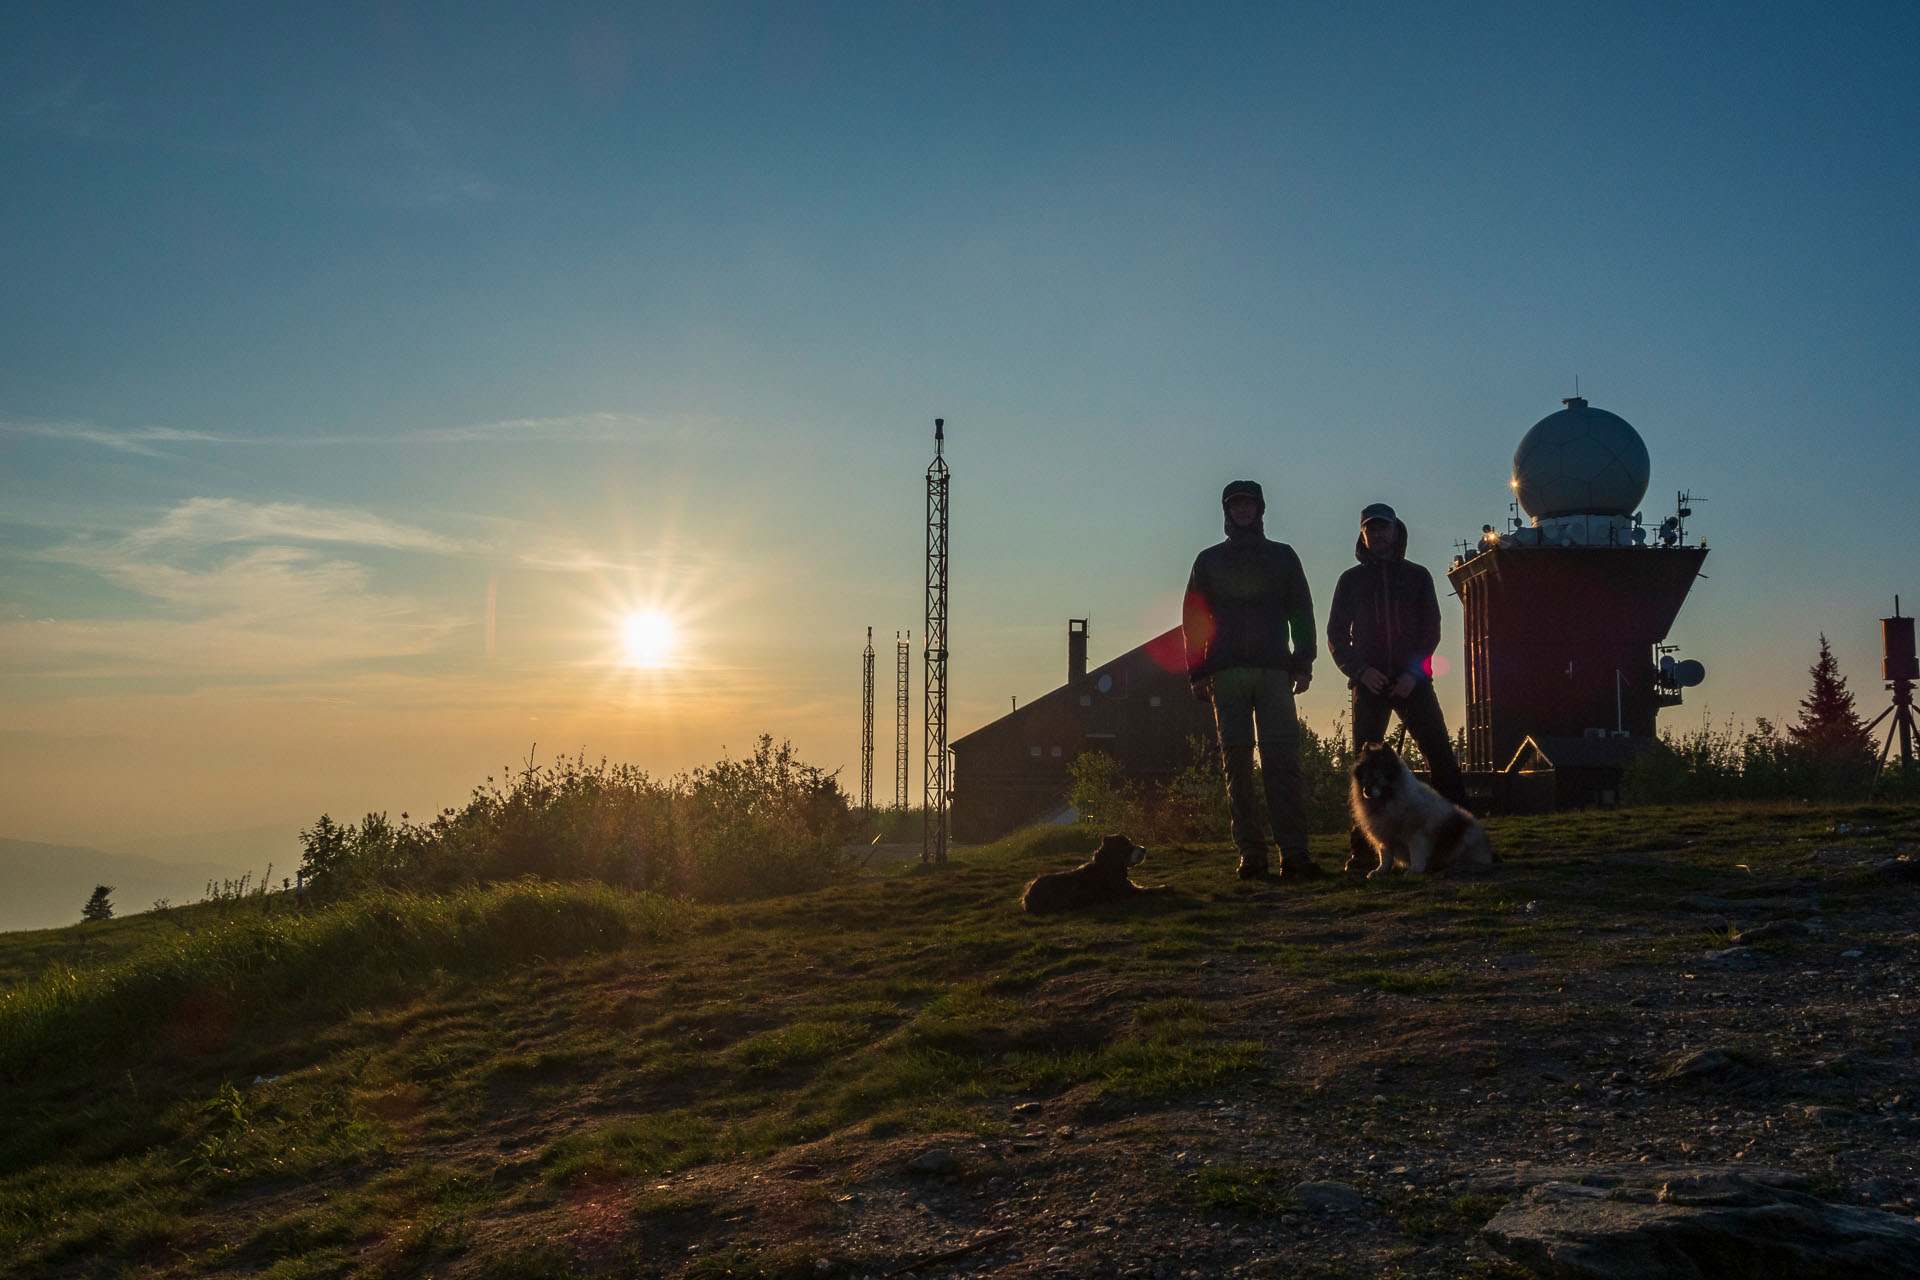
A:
1581,461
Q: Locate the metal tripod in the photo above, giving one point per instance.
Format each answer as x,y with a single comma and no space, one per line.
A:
1902,713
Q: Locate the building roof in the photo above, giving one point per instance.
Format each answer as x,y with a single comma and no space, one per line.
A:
1165,653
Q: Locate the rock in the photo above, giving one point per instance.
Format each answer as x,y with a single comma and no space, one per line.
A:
1830,1115
1735,957
1710,1066
937,1161
1772,931
1027,1108
1899,869
1336,1196
1702,1228
1880,1190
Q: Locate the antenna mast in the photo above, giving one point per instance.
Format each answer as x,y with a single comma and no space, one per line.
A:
866,725
933,823
901,686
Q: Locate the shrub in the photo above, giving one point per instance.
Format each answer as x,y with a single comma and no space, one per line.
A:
766,824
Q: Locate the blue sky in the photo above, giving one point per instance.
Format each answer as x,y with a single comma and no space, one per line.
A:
318,321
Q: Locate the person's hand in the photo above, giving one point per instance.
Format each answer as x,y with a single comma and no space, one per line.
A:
1301,680
1202,689
1402,687
1374,679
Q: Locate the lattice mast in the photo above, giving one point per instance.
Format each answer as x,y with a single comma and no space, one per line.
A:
902,686
866,725
933,823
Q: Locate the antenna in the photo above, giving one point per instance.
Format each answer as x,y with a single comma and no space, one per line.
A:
933,823
901,685
866,725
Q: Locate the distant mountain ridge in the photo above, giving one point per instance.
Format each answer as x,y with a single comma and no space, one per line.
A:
43,886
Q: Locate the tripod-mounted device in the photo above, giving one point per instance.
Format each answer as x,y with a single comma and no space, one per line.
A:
1901,668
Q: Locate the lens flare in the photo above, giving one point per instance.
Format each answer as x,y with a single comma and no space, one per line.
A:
647,638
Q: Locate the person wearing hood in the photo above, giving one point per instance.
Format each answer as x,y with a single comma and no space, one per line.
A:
1382,629
1248,625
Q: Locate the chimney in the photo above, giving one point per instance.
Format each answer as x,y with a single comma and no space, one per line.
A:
1076,649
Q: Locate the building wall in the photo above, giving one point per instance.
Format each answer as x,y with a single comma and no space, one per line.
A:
1137,708
1547,628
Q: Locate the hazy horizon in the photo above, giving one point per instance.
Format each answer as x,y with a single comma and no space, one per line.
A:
364,372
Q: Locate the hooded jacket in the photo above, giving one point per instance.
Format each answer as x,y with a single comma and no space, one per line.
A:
1384,614
1247,602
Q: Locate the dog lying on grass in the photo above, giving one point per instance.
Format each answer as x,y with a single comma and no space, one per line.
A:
1410,825
1101,878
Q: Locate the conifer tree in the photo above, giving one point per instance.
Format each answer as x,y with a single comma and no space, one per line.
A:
1830,730
99,906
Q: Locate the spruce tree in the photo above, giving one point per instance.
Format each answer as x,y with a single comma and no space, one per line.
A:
1830,730
98,907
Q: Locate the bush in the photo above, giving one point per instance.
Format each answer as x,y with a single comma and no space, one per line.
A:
1729,763
740,828
1192,805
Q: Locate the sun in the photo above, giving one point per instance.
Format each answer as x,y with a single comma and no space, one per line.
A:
647,638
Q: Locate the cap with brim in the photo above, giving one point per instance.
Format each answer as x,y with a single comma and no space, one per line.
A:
1377,511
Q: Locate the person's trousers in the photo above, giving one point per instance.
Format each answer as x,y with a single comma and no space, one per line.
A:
1254,706
1420,712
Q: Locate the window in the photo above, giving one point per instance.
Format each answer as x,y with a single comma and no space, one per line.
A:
1056,753
1154,701
1034,752
1086,699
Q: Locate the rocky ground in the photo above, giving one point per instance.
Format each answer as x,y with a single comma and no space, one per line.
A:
1648,1041
1753,1017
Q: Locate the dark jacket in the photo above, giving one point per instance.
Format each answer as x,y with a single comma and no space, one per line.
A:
1247,602
1384,614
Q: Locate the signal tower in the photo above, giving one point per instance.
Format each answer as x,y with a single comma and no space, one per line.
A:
933,825
866,725
901,685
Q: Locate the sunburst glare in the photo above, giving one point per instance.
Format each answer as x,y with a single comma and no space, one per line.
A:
647,638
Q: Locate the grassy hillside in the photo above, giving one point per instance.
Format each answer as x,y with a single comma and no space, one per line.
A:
46,884
541,1081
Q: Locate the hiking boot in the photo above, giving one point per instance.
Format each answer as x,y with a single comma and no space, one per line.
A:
1253,868
1300,867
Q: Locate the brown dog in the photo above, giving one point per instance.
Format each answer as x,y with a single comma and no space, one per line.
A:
1101,878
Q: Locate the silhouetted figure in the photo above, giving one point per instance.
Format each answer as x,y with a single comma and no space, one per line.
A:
1382,629
1248,623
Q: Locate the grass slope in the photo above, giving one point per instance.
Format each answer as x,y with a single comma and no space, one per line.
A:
540,1080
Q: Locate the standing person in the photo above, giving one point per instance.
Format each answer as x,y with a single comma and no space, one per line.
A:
1248,623
1382,629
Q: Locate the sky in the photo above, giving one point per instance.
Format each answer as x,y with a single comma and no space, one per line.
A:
364,368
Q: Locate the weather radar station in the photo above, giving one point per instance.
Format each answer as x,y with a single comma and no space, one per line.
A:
1567,614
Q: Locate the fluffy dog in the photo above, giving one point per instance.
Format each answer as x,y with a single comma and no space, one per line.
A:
1410,825
1101,878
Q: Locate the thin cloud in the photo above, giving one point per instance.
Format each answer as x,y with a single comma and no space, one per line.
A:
138,440
70,111
580,428
211,521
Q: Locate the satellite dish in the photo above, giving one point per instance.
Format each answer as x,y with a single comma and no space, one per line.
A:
1639,536
1666,664
1688,673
